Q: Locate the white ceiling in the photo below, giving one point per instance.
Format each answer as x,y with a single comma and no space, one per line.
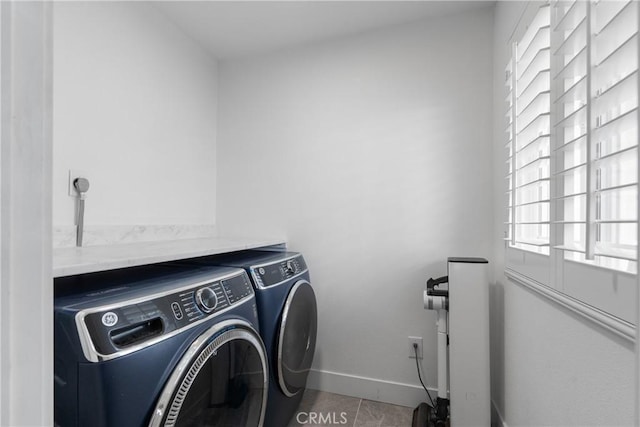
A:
239,28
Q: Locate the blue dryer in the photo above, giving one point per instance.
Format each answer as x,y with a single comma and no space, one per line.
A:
159,346
288,317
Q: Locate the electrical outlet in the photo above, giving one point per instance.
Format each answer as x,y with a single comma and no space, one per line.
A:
412,351
73,174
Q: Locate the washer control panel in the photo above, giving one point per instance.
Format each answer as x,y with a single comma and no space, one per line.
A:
112,329
279,271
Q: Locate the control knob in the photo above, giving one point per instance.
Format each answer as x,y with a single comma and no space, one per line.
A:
291,267
206,299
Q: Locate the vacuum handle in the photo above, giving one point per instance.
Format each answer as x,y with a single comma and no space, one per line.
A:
432,283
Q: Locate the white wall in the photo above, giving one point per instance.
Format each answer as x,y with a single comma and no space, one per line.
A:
372,154
549,366
26,286
135,106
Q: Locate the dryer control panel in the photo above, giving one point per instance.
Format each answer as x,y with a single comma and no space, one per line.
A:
117,329
275,273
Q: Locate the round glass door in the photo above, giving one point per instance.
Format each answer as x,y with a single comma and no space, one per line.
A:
219,382
297,338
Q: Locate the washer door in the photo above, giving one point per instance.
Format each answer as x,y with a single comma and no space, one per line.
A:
297,338
220,381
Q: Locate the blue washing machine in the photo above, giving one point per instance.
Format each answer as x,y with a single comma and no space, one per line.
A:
288,318
159,346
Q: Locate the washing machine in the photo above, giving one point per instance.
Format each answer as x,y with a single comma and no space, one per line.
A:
159,346
288,318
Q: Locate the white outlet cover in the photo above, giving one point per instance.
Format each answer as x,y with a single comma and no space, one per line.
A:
417,340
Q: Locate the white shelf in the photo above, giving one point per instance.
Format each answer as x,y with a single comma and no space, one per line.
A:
90,259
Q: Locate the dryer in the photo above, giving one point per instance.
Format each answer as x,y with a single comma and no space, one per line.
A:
159,346
287,313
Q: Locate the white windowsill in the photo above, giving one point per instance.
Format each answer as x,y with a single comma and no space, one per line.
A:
611,323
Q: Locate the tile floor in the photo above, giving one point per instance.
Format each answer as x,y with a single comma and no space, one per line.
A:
319,408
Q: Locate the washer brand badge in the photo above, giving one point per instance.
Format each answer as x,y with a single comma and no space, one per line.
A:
109,318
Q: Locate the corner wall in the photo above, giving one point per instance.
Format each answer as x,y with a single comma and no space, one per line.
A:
549,366
372,155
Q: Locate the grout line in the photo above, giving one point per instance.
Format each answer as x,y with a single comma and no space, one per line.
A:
357,412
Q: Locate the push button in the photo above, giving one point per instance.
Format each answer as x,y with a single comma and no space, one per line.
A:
177,311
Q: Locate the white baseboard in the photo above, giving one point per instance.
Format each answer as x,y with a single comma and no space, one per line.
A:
496,417
369,388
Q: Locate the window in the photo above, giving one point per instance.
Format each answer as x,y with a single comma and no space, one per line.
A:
572,150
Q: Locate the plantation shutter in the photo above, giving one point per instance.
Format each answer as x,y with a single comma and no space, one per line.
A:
595,103
528,145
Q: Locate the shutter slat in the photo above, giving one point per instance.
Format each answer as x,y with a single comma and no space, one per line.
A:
577,62
533,203
620,50
538,139
540,242
612,157
536,120
535,162
568,196
610,21
571,90
571,169
537,80
540,59
616,187
538,97
622,121
536,181
572,117
571,142
567,20
572,36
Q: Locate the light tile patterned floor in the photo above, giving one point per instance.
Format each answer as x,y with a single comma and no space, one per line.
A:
320,408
